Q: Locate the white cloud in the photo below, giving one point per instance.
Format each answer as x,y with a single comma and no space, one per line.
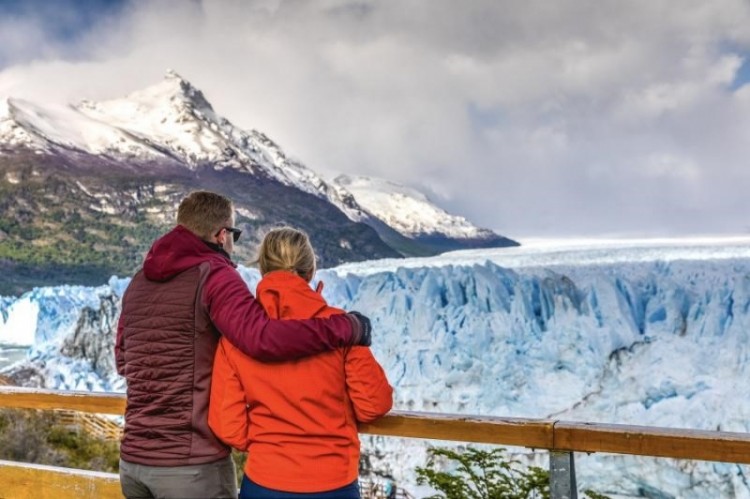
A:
529,117
671,167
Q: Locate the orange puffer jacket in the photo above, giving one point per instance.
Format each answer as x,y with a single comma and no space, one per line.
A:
297,420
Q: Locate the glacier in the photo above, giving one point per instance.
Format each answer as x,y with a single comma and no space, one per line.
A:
652,333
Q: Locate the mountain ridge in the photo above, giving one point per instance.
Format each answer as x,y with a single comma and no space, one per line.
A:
410,213
128,161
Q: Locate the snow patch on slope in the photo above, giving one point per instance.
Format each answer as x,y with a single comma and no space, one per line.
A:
407,210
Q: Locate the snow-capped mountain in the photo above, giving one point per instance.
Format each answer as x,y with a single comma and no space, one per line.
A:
647,335
166,121
408,211
117,168
414,217
173,120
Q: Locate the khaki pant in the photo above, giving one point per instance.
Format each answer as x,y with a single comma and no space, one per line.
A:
204,481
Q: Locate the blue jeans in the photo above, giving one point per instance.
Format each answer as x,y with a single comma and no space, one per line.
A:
251,490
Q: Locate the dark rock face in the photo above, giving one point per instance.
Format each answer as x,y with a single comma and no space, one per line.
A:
27,376
95,335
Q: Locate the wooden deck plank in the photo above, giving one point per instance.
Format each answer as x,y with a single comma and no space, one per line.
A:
32,398
21,481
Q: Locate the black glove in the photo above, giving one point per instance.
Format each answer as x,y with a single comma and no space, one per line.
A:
361,329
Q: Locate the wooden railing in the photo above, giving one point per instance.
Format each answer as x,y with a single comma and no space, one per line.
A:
93,424
561,438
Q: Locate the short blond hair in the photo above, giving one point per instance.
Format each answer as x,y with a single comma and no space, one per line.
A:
205,213
286,248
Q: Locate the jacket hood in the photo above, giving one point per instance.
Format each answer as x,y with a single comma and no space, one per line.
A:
285,295
177,251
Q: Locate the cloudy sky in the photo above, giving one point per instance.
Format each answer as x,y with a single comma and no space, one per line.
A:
531,117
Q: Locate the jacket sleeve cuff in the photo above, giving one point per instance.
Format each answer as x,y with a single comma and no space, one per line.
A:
356,329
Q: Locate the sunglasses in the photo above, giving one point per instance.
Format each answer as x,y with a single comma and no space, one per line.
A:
236,233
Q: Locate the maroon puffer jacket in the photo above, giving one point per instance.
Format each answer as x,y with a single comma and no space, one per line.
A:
172,314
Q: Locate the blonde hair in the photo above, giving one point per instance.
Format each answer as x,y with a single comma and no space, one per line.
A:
289,249
204,213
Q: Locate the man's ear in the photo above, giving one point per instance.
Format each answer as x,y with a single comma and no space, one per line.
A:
221,237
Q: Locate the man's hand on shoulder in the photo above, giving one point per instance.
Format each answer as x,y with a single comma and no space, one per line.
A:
361,329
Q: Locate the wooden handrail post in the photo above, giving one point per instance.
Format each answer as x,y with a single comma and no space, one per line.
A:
562,475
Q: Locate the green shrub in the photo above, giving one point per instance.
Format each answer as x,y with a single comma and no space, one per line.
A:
480,474
84,451
36,437
239,459
22,438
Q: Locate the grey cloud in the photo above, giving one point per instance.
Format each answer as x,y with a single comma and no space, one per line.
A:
530,117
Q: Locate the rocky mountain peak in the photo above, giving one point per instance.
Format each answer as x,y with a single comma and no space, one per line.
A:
173,100
81,169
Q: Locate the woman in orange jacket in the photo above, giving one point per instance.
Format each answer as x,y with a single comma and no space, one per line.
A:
297,420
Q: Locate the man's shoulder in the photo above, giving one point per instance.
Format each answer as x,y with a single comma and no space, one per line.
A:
219,266
218,274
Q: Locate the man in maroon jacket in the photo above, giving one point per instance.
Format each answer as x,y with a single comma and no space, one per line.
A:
173,312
